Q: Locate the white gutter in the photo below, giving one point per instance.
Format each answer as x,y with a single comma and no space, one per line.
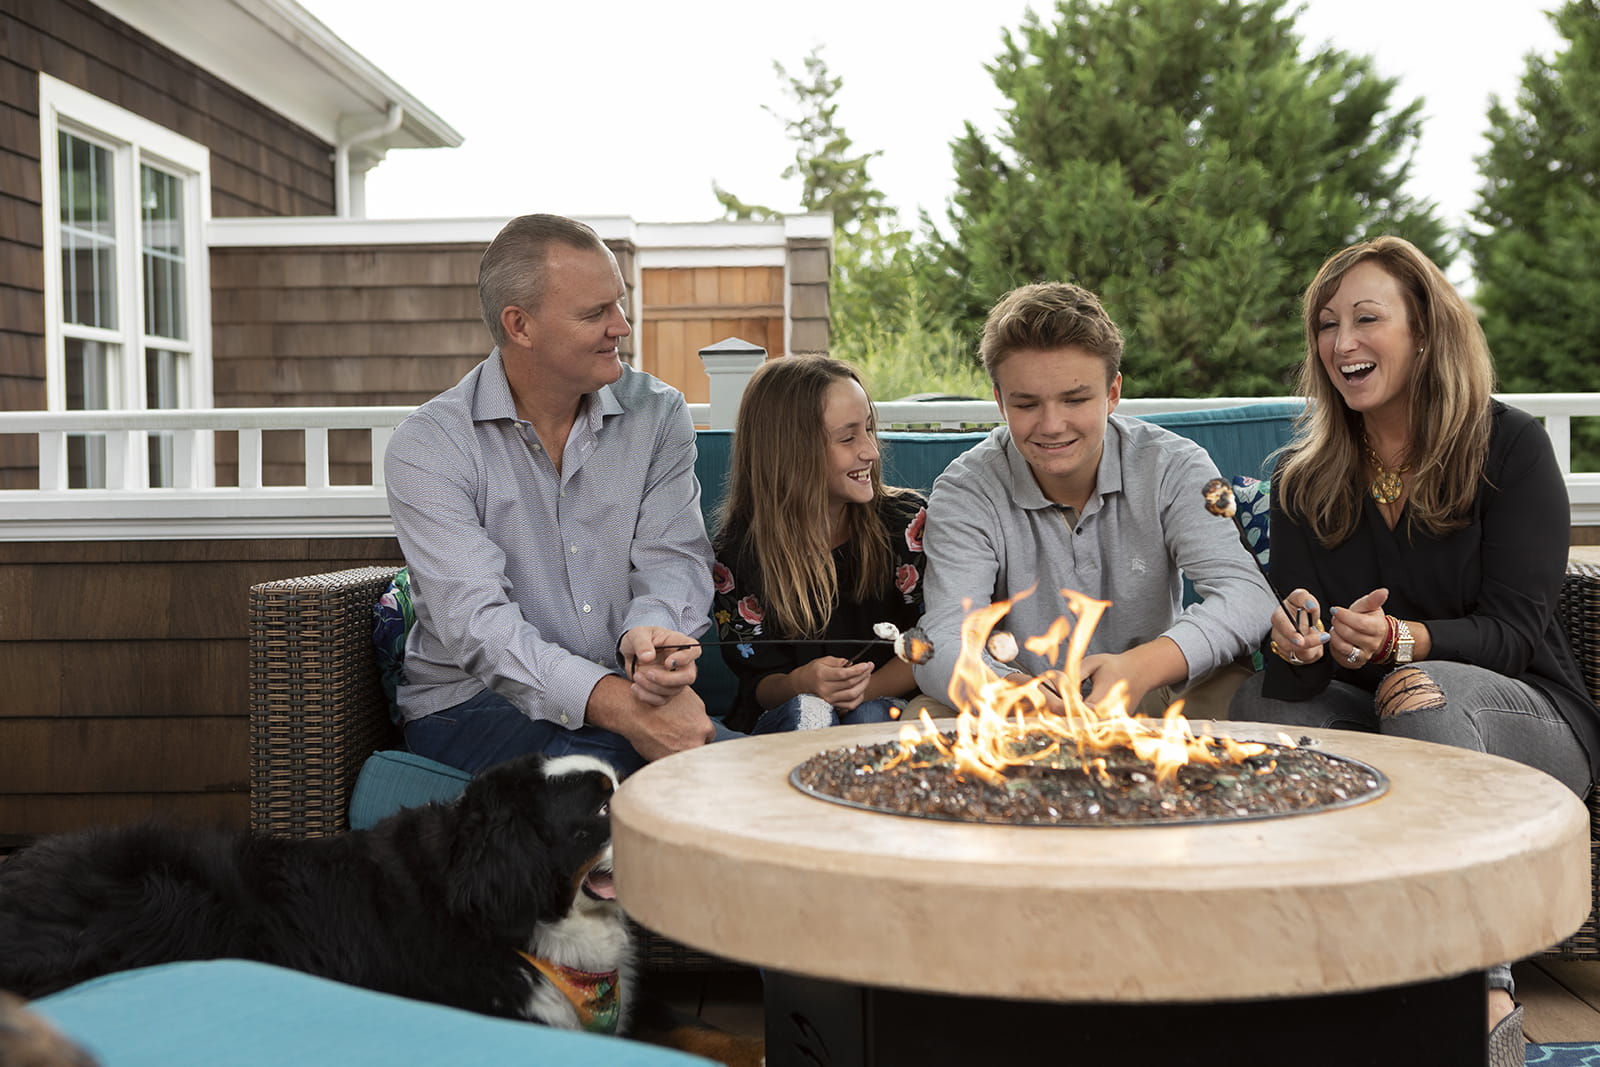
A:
341,156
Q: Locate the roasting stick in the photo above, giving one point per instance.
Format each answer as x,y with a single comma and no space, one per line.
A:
1002,645
1220,501
912,646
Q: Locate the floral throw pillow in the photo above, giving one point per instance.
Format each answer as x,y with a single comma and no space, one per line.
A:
1253,499
392,619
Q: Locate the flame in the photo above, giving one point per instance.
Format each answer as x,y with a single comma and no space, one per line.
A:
1004,722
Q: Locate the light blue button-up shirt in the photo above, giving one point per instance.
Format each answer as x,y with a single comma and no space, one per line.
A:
523,578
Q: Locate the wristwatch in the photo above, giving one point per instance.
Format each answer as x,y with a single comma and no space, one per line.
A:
1403,646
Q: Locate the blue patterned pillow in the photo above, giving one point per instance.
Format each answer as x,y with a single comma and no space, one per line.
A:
1253,498
392,619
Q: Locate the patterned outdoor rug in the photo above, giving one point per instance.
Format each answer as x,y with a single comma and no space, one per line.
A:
1563,1054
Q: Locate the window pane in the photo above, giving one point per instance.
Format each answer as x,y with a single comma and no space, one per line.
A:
161,215
88,389
88,375
166,386
88,233
166,376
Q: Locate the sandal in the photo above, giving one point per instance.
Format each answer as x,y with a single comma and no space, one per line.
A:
1507,1045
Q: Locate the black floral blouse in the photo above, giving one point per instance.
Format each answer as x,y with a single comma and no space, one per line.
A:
737,608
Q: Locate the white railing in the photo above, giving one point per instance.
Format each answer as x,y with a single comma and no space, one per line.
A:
195,508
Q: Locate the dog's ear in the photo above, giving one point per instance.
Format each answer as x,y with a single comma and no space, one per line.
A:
501,873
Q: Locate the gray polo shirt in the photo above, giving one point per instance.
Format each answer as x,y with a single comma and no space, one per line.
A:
992,534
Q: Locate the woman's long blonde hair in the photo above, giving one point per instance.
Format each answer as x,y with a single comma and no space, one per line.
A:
778,492
1322,480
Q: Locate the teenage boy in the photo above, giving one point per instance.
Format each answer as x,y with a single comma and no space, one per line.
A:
1070,495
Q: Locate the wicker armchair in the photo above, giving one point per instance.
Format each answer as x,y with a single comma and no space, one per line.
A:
317,712
1580,611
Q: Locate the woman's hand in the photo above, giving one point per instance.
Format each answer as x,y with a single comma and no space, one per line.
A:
1359,631
1297,634
835,679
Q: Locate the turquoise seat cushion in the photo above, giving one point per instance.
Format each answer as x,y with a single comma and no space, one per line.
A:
391,780
233,1013
1240,440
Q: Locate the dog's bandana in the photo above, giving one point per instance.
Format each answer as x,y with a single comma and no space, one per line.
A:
593,993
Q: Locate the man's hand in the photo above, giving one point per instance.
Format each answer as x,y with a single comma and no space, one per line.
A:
1146,667
1104,670
835,679
654,730
658,676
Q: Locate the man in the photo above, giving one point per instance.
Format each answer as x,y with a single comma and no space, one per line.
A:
550,518
1069,495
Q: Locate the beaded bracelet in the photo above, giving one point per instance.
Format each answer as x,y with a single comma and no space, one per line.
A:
1392,642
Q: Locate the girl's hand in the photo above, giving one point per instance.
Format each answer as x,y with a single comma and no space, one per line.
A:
1297,634
835,679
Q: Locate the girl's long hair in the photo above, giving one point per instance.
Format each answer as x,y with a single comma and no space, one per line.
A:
778,493
1322,480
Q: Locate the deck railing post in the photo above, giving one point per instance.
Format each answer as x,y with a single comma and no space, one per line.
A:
729,365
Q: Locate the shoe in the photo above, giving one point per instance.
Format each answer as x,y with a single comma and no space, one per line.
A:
1507,1046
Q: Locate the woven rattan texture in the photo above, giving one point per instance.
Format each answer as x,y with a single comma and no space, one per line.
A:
1580,611
317,710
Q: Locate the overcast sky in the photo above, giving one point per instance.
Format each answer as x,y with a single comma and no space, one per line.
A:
635,107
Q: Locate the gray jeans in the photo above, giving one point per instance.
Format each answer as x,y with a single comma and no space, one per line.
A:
1481,710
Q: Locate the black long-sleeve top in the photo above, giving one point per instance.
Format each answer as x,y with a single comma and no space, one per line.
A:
740,615
1486,592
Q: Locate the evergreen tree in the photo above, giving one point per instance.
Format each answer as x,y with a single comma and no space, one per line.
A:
1537,260
1180,159
871,255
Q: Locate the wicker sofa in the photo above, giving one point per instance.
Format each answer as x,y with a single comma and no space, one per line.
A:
317,710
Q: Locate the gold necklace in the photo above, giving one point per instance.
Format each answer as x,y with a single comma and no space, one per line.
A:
1386,488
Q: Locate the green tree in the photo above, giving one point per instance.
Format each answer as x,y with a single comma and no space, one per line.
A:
1535,257
1181,159
871,254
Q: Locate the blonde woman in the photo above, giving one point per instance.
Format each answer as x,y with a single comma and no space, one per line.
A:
812,551
1426,524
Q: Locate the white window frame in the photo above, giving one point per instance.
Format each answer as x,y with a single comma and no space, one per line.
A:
134,141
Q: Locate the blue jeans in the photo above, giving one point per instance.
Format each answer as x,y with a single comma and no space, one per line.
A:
487,729
809,712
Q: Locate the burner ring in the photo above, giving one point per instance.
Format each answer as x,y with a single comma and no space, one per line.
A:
1282,782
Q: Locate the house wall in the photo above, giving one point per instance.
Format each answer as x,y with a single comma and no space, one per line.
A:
687,308
261,163
340,326
127,676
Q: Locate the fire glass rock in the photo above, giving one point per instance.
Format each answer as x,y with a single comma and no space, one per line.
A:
1282,780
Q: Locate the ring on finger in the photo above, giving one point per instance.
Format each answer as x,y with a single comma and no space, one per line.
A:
1355,653
1296,660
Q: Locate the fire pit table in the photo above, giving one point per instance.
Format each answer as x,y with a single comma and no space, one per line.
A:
1357,935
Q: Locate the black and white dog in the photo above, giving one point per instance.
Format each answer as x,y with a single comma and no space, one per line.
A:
500,903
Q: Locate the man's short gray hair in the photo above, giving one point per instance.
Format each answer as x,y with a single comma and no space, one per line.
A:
512,270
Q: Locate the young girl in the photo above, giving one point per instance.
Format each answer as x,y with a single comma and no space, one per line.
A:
813,551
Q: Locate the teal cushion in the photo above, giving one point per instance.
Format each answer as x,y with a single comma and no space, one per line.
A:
392,780
232,1013
1240,440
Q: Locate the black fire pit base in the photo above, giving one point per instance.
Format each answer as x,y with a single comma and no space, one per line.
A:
815,1023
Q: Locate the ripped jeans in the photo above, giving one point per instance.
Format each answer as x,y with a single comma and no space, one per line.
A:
1445,702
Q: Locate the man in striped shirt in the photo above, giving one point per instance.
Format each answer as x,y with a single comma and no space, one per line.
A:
550,517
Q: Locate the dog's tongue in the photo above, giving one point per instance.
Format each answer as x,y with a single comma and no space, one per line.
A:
599,884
